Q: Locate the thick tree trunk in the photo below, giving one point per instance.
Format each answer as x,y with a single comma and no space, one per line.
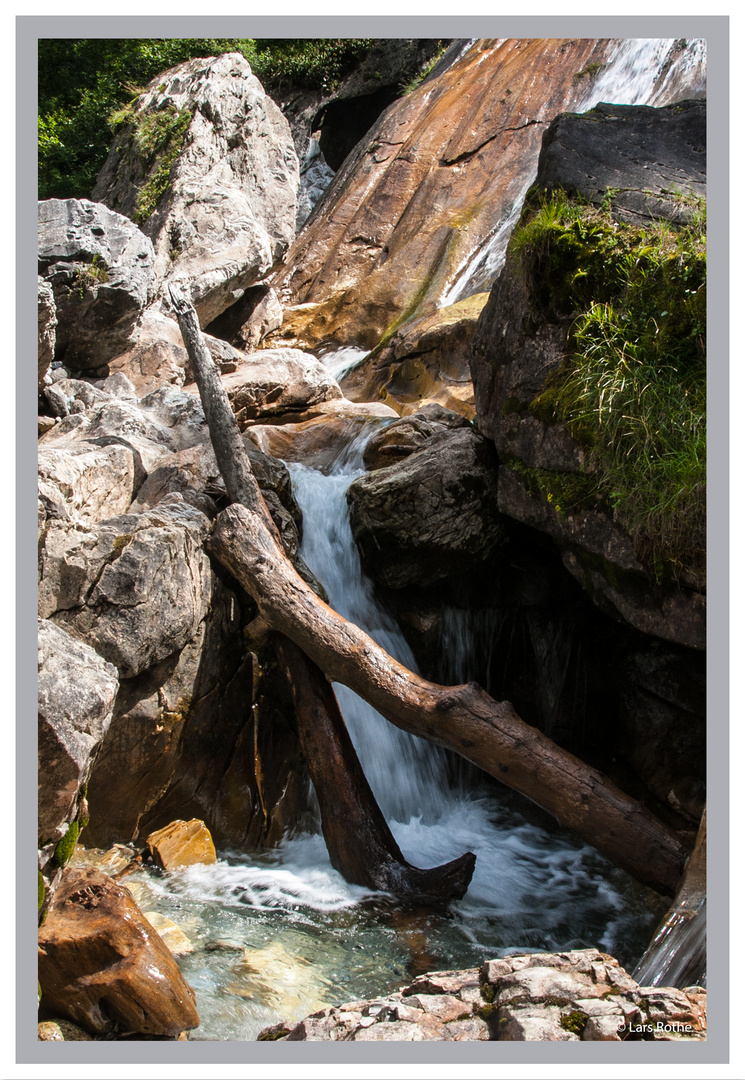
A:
461,718
360,844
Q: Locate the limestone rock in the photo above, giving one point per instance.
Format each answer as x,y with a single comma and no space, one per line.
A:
249,320
77,689
646,154
433,515
61,1030
91,483
155,355
275,381
135,588
555,997
228,212
100,268
103,966
182,843
47,328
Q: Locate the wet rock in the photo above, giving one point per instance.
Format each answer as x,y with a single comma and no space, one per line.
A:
275,381
77,690
100,268
227,214
182,843
317,439
176,940
104,967
426,361
430,516
425,189
428,427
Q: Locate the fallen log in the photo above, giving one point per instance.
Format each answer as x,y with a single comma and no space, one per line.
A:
461,718
360,844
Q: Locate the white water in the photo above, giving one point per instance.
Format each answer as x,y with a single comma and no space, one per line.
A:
343,360
640,71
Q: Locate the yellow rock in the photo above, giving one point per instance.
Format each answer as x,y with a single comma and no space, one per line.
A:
182,843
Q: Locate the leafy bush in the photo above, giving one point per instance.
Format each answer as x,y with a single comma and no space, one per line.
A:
84,82
633,386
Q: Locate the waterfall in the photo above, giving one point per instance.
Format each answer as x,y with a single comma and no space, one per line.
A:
677,954
639,71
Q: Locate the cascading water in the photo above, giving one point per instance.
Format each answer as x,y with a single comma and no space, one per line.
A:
639,71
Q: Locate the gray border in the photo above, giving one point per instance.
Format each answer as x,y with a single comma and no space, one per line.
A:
716,30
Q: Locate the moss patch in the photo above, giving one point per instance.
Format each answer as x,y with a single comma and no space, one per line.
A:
574,1021
632,389
155,137
66,846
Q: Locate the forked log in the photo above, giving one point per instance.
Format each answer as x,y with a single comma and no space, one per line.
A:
360,844
462,718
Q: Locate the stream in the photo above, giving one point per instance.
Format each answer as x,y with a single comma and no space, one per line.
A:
281,934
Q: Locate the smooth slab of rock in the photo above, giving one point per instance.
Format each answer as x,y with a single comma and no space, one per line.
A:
100,267
228,213
182,843
102,965
274,381
77,690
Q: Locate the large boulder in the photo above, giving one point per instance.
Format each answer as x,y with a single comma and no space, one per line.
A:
549,475
77,690
135,587
649,157
87,483
275,381
102,965
204,161
100,267
431,516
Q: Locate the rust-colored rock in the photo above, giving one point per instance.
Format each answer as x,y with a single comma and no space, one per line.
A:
425,362
428,187
103,966
182,843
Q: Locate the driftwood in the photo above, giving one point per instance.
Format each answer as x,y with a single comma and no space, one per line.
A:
462,718
360,844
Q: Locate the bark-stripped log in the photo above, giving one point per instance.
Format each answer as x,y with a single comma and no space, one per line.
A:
360,844
461,718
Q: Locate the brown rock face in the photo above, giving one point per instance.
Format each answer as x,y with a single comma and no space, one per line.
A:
103,966
427,187
182,843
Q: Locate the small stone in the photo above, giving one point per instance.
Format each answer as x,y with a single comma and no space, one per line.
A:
182,843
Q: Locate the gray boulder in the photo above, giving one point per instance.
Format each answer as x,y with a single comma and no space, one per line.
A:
431,516
47,328
651,157
274,381
87,483
135,587
100,268
227,213
77,689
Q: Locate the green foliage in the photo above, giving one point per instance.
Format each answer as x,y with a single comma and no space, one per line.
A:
633,387
41,890
574,1021
158,138
84,82
418,77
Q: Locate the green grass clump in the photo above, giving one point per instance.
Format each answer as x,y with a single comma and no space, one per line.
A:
632,389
